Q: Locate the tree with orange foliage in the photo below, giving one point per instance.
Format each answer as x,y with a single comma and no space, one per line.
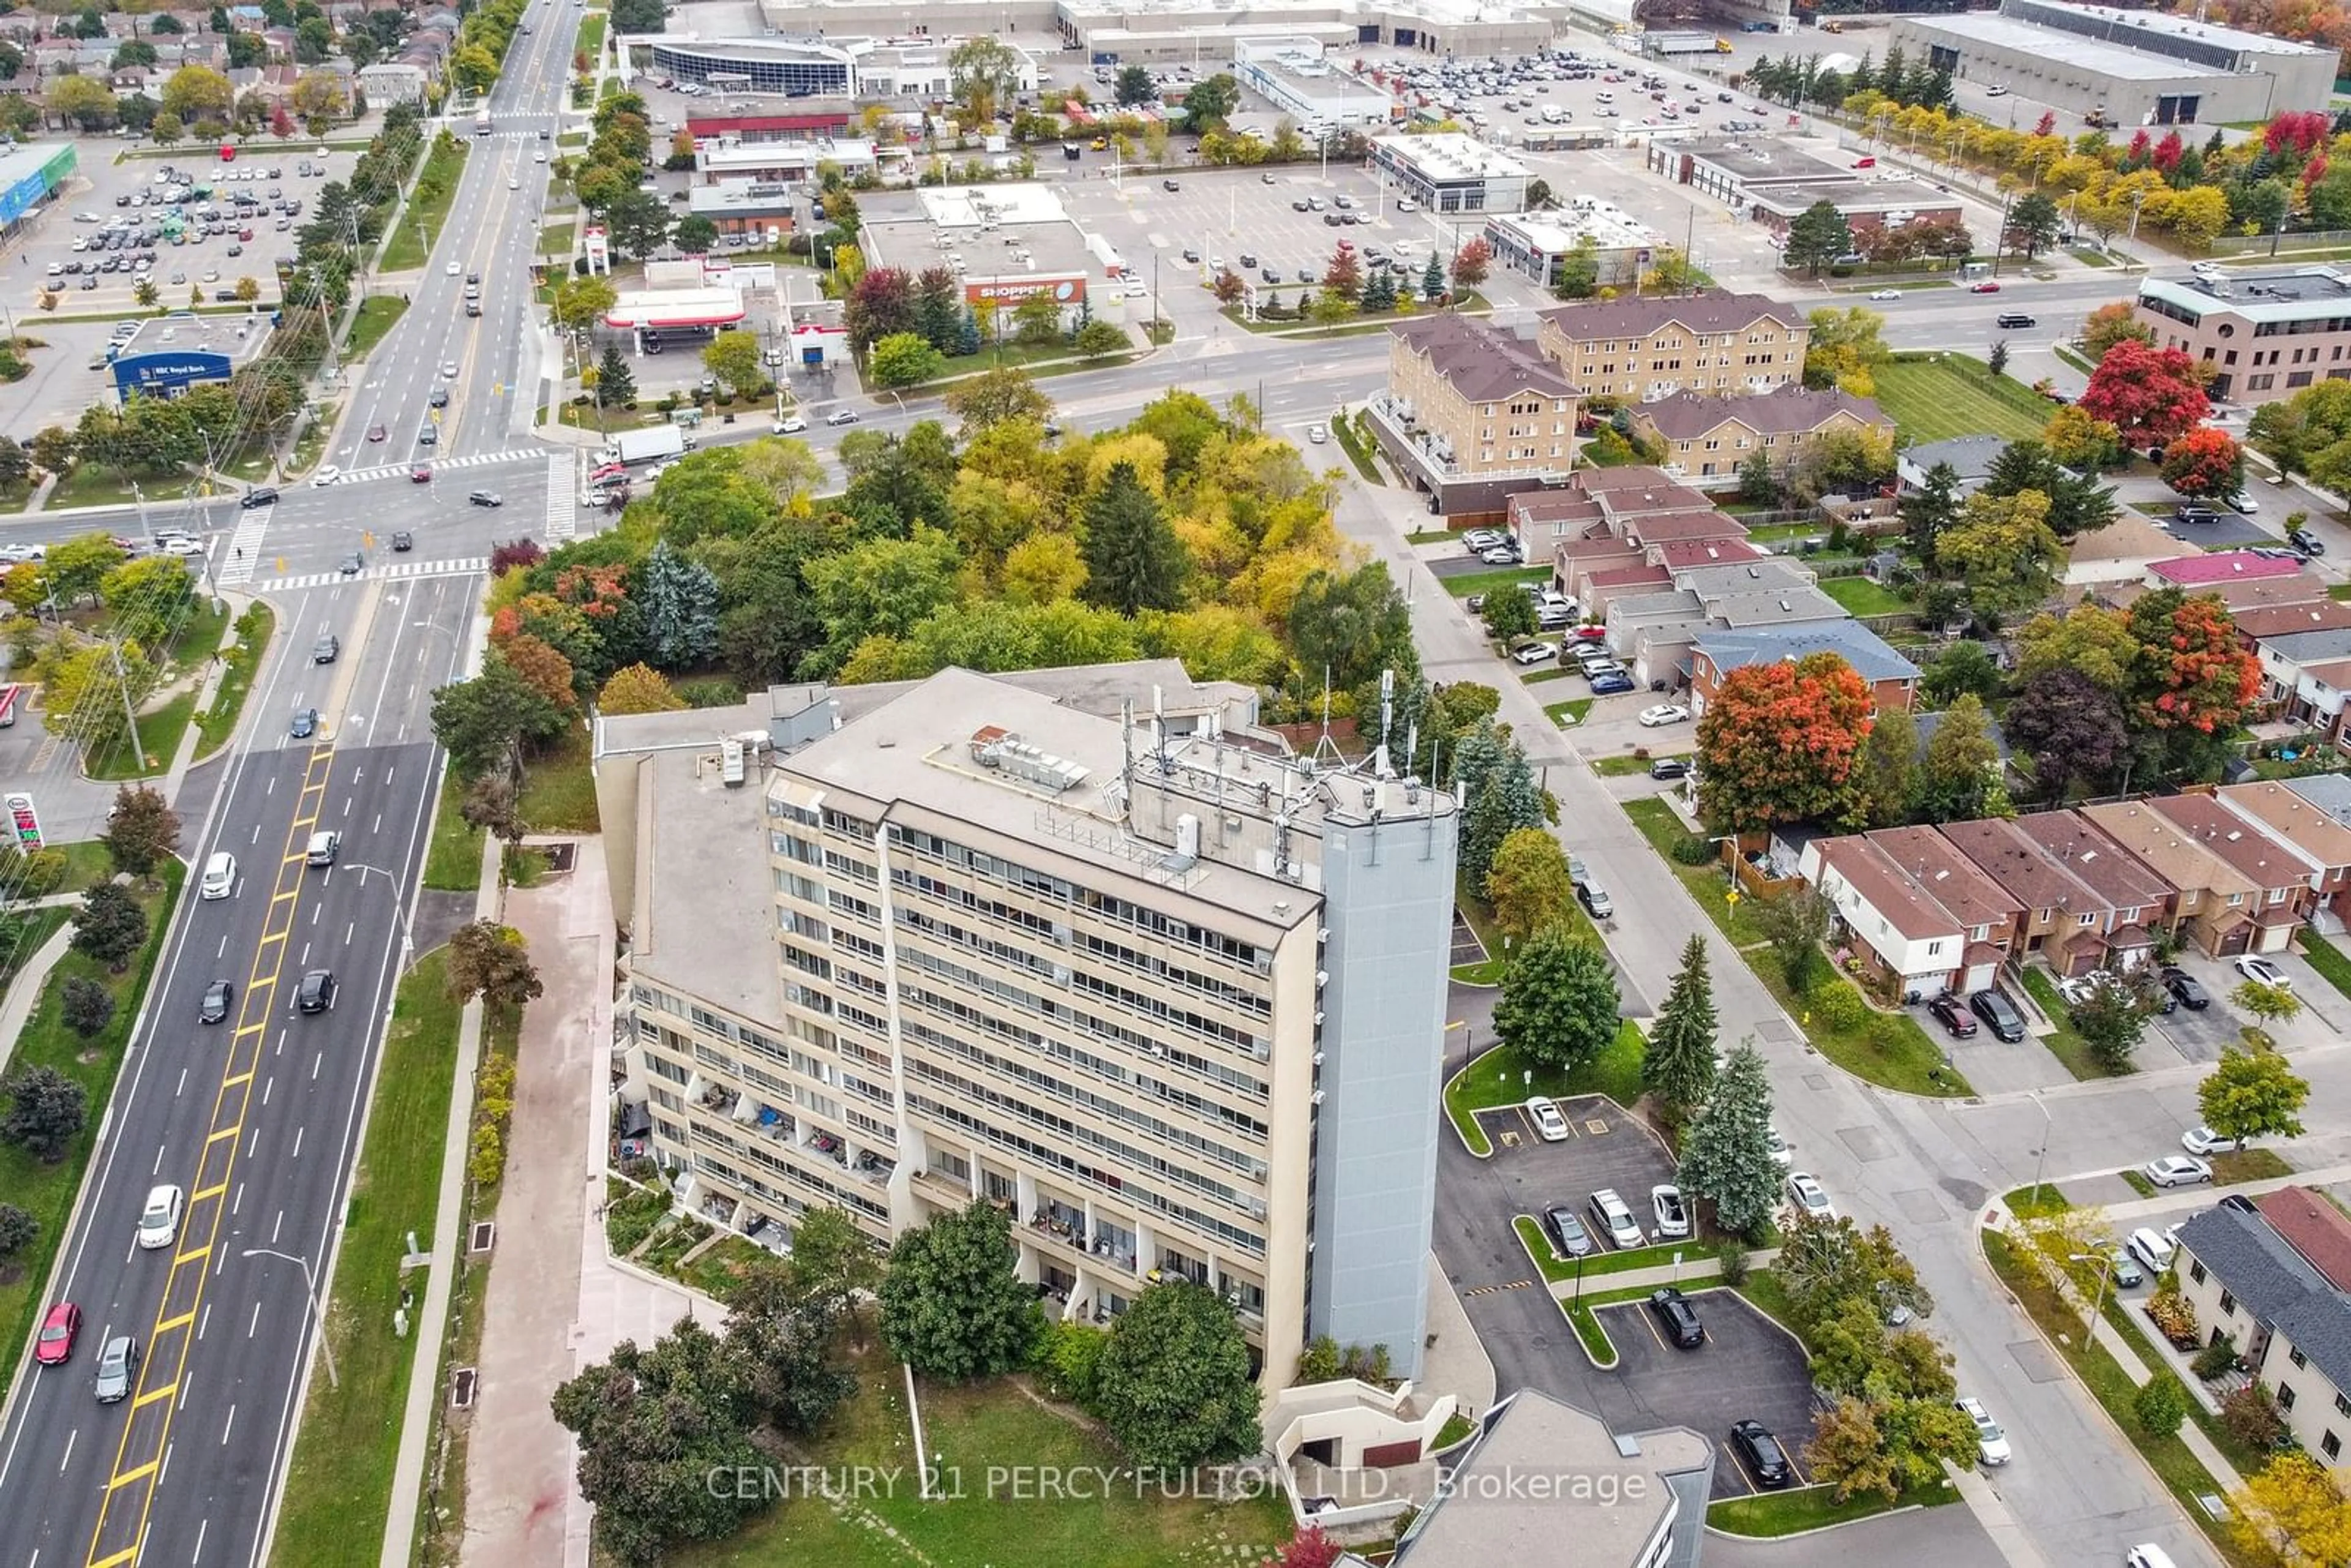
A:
2150,395
2205,462
543,669
2111,323
2192,681
1778,742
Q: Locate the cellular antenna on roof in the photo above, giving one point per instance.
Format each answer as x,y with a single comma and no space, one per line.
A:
1326,750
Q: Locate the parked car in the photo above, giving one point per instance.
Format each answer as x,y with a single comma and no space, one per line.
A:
2201,1139
1755,1444
1567,1233
1610,683
1670,767
2177,1170
2307,542
1678,1316
1534,652
1550,1126
1809,1197
1999,1015
1615,1221
1784,1152
2260,971
1673,1214
1954,1018
2152,1247
2186,988
1992,1443
1594,899
2127,1274
1662,714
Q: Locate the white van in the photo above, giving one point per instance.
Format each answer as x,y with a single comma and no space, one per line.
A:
220,875
2153,1249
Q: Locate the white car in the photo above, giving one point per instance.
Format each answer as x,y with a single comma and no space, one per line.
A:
1673,1214
159,1222
1317,435
1784,1152
449,367
1992,1443
185,548
792,424
1550,1126
1886,294
2261,971
2177,1170
1662,714
513,183
2201,1139
1810,1197
453,269
327,475
1535,653
1609,1212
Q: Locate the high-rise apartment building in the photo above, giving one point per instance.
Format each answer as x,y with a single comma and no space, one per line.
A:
1086,944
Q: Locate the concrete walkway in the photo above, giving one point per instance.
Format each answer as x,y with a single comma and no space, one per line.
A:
25,988
1696,1268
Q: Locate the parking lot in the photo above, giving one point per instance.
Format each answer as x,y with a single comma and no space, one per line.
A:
1749,1368
1604,1147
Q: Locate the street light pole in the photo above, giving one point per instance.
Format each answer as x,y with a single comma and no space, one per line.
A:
310,1297
2106,1262
2048,1129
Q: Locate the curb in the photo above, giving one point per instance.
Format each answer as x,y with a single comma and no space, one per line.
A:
1823,1529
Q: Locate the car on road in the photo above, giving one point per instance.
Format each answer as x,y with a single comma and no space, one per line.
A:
2262,972
485,498
440,398
1670,768
1809,1197
1316,434
317,992
841,416
1784,1152
1948,1012
351,565
159,1221
2186,988
1761,1453
1594,899
217,997
448,369
327,649
60,1326
1550,1126
252,500
792,424
1534,652
1673,1214
305,724
453,269
1999,1015
402,542
376,433
2201,1139
1611,683
1615,1220
1992,1443
1886,294
420,474
2147,1555
1678,1317
1986,286
1662,714
118,1369
2177,1170
2306,542
1569,1236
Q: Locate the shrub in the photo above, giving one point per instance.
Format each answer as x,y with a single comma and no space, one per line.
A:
1318,1361
2173,1316
1839,1008
486,1162
2251,1418
1067,1355
715,691
2216,1359
2161,1405
1732,1257
1692,850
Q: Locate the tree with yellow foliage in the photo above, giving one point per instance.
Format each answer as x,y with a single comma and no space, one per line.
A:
2293,1514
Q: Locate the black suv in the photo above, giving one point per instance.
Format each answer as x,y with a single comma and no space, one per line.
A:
2186,988
1762,1452
1999,1015
486,498
318,992
1678,1316
264,497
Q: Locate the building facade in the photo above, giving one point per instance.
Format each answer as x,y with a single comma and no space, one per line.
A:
2268,1278
1707,436
1449,172
2267,335
1470,401
1171,998
1535,245
1636,351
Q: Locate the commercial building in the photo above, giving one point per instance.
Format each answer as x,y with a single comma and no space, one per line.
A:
1709,435
744,206
1295,76
734,48
1639,349
1087,944
2142,68
31,175
1449,172
1472,414
2270,1278
1535,243
2266,334
1772,180
784,162
388,82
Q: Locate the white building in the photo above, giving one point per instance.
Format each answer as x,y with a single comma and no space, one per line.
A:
1451,172
1534,244
1295,76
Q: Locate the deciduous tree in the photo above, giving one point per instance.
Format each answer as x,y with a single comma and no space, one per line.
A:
1471,262
2293,1513
2088,640
903,358
2113,1015
1846,349
1777,744
2111,323
2070,729
46,1111
1174,1383
2150,395
952,1307
1961,768
86,1006
1528,883
2252,1094
2004,549
484,723
142,831
2204,462
17,1230
109,927
638,688
1559,1006
492,962
2192,673
995,397
1886,769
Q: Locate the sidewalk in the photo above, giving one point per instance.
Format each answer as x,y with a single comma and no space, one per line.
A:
1698,1268
24,989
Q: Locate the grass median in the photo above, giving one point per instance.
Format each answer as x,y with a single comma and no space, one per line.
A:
452,859
1503,1077
339,1484
217,723
378,313
427,218
46,1189
1772,1514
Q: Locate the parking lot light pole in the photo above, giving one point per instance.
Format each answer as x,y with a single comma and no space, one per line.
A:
2048,1129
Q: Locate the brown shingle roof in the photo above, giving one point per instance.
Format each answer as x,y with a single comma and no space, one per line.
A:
1889,889
2292,818
2312,1227
2279,619
1956,881
1788,409
1483,361
2244,845
1679,554
2091,854
1715,310
2024,871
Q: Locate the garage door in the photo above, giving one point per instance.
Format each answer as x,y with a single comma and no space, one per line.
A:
2238,938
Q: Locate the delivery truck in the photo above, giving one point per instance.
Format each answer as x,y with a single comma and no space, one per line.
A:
655,445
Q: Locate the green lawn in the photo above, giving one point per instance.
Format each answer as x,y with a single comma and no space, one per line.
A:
377,314
1708,884
87,865
453,860
1860,596
1130,1524
2174,1465
559,791
219,723
2066,1046
45,1191
1500,1077
1775,1513
1469,582
2232,1165
2326,958
1570,713
2036,1202
556,239
159,742
88,486
340,1484
1933,397
1620,767
591,36
404,249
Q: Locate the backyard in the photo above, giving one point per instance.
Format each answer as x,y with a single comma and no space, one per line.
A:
1933,397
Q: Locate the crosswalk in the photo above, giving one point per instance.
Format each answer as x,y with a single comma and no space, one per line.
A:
562,514
244,547
466,566
438,465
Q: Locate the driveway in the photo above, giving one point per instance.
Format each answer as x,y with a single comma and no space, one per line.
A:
2200,1036
1606,1146
1748,1369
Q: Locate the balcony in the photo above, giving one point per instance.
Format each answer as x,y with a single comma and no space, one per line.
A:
1429,457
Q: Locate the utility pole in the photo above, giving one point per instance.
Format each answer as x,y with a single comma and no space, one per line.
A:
123,685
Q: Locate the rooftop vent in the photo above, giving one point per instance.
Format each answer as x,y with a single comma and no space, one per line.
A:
998,749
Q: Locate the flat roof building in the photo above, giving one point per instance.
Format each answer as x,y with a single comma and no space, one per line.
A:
1449,172
1535,243
2265,334
1773,182
782,163
1086,944
2143,68
1294,76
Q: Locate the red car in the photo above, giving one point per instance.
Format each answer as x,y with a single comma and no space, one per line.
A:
1587,634
376,433
420,474
1952,1016
1986,286
59,1332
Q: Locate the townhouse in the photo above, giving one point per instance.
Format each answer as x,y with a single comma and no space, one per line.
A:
2269,1277
2282,880
2209,898
1992,918
1709,435
2320,838
1639,349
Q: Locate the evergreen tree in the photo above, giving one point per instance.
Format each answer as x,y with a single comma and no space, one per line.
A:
1432,278
968,336
1727,1152
615,386
1133,559
1931,510
1678,1068
1503,799
681,606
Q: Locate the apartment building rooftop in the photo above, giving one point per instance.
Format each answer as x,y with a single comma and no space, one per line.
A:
1710,310
1481,361
2313,1227
1784,410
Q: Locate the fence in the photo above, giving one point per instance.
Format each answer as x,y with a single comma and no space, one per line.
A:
2313,239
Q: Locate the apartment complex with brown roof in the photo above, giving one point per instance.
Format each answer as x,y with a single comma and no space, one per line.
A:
1640,349
1710,434
1471,400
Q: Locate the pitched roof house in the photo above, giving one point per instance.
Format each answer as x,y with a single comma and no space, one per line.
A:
2249,1281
